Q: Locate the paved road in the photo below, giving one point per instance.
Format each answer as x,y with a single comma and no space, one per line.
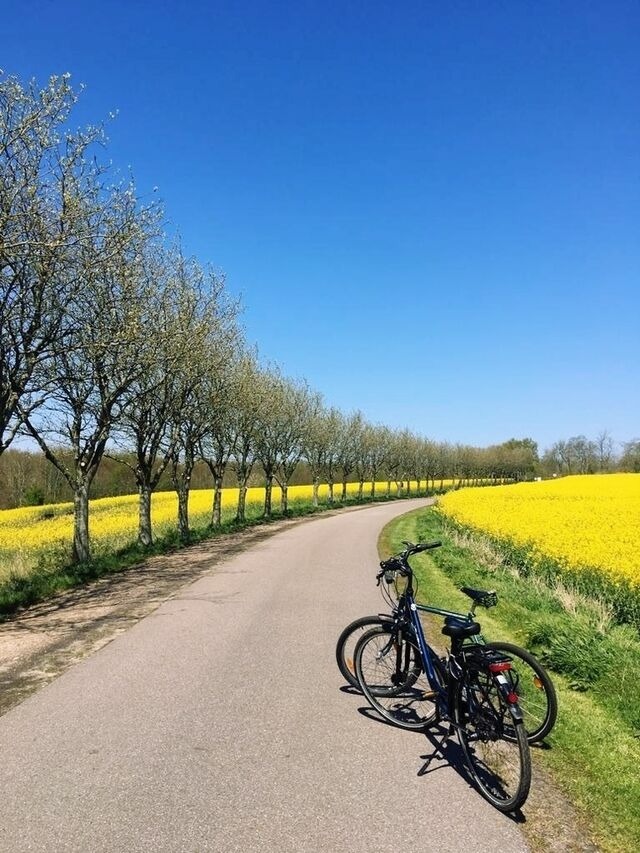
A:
218,723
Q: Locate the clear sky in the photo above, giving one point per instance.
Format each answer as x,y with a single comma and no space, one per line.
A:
431,209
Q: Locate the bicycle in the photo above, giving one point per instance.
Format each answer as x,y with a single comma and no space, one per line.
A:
408,684
529,679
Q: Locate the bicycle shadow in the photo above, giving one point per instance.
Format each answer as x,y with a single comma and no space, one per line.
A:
445,752
447,748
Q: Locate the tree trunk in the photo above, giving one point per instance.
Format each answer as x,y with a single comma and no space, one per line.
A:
181,484
360,489
373,489
183,511
145,532
330,491
81,547
241,512
316,486
343,497
216,511
284,499
268,490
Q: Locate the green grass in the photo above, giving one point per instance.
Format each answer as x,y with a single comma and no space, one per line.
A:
595,748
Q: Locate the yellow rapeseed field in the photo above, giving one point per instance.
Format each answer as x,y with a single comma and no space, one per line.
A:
590,520
28,532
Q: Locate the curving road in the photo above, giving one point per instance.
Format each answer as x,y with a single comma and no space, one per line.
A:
218,723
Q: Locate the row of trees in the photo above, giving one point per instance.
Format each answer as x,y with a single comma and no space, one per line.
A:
27,478
114,342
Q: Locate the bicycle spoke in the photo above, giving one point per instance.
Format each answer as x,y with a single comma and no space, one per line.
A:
392,680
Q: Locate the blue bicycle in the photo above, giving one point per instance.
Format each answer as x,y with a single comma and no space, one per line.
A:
410,685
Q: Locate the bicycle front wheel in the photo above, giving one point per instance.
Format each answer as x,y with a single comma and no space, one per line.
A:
534,687
389,670
499,765
346,645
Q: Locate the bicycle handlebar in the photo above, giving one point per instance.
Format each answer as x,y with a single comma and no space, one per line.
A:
398,563
421,546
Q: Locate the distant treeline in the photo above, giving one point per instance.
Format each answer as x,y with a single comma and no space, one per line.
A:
27,478
581,455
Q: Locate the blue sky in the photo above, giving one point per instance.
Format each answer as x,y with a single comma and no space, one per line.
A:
431,209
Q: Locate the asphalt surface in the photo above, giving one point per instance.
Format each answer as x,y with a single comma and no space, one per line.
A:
221,723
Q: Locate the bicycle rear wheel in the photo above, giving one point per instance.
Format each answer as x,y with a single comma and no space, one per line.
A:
499,765
389,671
346,645
536,693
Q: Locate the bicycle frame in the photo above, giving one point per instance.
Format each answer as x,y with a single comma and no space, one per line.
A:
408,605
444,692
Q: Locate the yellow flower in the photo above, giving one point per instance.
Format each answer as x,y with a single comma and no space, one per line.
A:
578,521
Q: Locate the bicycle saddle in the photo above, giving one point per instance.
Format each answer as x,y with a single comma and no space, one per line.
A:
486,598
460,628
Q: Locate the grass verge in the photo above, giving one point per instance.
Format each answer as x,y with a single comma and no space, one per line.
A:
54,573
594,751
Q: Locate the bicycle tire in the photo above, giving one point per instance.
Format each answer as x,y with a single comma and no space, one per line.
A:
499,766
401,695
536,694
347,641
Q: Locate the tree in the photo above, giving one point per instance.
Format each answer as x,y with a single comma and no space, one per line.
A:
246,425
297,402
315,441
630,459
210,331
376,450
604,450
272,420
186,311
217,444
393,457
363,459
348,439
41,224
87,381
332,428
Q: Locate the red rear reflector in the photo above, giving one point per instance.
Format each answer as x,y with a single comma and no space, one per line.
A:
512,698
499,667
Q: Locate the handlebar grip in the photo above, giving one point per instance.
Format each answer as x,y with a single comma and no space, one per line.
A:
426,546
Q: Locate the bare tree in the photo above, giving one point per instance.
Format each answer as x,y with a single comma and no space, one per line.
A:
246,425
630,459
314,442
271,417
40,226
369,456
211,335
332,427
347,450
217,444
297,402
88,380
183,312
604,445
